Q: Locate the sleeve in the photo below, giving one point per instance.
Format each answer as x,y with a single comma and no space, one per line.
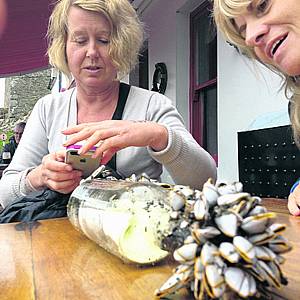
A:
295,186
185,160
29,153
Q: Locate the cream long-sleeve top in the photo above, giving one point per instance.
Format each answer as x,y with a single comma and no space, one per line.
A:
185,160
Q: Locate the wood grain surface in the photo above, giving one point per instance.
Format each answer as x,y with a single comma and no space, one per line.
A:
51,260
276,205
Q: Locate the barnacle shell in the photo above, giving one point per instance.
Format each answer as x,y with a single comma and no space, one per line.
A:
229,252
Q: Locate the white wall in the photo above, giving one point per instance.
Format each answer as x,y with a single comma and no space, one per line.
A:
243,94
160,25
245,91
167,28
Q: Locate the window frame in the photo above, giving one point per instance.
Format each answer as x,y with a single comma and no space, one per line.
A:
196,101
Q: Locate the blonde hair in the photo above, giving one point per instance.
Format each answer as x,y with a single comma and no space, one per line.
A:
224,12
126,33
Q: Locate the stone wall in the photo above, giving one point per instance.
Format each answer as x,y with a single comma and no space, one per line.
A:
21,93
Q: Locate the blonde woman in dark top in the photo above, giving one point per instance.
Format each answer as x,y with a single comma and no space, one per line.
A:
96,43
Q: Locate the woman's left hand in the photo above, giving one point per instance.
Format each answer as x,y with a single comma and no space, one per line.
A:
114,135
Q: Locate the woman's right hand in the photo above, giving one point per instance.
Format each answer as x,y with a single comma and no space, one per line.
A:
55,174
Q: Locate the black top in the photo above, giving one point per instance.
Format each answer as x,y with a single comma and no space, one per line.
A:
118,114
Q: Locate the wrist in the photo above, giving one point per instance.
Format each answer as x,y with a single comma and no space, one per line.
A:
34,179
160,139
26,186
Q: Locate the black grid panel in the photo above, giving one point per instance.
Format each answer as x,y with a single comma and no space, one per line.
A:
269,161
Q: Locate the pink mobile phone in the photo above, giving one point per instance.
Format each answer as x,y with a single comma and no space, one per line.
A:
83,162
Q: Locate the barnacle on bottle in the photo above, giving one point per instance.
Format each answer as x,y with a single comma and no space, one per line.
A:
128,219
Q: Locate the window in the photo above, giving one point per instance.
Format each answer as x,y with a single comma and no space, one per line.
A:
203,83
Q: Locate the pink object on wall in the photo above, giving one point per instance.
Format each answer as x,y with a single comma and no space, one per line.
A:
23,43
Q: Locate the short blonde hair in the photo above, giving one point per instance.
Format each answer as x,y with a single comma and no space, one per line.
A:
126,33
224,12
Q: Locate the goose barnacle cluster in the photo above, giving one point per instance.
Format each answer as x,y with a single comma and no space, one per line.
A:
231,246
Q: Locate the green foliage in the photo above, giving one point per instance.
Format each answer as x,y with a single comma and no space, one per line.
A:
9,135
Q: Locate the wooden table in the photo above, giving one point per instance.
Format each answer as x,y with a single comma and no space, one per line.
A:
291,267
52,260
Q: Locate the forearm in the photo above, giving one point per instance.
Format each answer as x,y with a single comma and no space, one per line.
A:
14,186
193,172
186,161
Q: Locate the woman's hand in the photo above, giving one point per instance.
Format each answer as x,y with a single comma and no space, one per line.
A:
55,174
113,135
294,201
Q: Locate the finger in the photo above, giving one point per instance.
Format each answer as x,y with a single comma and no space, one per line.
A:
117,141
107,155
51,164
110,145
97,139
74,129
60,155
81,135
78,137
63,176
292,206
55,162
94,140
63,187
